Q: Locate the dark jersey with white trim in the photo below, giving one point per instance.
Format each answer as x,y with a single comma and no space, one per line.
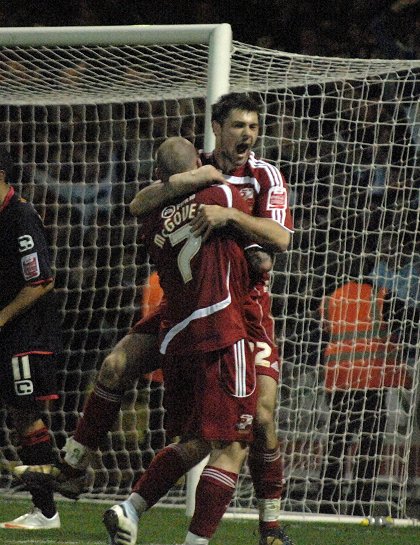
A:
25,261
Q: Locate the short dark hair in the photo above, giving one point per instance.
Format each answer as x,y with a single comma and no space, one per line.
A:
233,101
6,163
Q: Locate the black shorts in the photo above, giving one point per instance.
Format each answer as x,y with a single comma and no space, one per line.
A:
27,377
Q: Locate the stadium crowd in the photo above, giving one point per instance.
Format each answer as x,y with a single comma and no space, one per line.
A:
335,28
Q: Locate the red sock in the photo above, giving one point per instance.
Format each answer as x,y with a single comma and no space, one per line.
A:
214,493
99,414
164,471
36,447
266,469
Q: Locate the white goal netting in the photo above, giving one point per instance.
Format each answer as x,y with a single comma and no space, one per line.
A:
83,124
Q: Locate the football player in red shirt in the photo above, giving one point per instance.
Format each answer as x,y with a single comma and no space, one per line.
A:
235,122
208,366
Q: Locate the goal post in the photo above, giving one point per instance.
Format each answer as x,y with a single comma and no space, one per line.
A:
217,36
83,120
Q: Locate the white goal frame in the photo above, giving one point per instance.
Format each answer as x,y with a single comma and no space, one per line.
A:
217,36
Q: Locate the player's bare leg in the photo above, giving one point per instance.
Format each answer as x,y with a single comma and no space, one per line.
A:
132,357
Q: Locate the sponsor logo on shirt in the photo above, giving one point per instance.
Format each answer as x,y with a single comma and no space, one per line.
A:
277,198
30,266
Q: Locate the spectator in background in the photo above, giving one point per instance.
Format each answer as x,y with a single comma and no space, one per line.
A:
361,364
397,30
149,401
29,341
397,270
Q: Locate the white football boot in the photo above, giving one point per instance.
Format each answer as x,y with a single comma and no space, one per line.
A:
34,520
121,522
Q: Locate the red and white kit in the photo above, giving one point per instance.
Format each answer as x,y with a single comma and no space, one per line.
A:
203,334
265,192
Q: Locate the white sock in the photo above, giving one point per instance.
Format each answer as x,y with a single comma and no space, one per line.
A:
138,503
193,539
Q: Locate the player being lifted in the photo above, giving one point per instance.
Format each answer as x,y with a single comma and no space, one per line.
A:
235,120
209,373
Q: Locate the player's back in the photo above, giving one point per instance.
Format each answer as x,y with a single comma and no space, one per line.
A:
204,282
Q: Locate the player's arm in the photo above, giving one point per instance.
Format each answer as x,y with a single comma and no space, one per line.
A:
35,267
27,297
264,231
179,185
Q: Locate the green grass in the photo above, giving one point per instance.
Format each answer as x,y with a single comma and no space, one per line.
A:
81,525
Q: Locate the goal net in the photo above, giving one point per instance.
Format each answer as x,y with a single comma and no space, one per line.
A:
83,123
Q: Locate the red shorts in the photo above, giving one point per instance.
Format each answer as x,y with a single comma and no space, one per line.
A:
211,396
260,327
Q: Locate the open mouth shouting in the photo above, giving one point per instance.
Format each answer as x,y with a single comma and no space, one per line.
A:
242,150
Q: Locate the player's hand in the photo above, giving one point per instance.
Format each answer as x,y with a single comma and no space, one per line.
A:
208,175
259,260
209,217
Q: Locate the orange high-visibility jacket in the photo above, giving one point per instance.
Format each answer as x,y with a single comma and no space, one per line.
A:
152,294
151,297
359,354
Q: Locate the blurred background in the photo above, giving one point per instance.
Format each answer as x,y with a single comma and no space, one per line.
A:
337,28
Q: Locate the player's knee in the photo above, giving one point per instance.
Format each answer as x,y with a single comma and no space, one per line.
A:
113,369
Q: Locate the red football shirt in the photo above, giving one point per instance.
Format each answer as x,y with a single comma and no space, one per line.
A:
204,282
262,186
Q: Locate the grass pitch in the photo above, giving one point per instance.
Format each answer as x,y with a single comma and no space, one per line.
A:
81,525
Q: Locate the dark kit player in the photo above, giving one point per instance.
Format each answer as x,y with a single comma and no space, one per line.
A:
29,340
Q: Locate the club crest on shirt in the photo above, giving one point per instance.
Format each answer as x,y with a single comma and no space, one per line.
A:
245,422
30,266
277,198
247,194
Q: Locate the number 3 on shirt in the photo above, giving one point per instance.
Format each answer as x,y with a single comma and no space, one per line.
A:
189,249
262,352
